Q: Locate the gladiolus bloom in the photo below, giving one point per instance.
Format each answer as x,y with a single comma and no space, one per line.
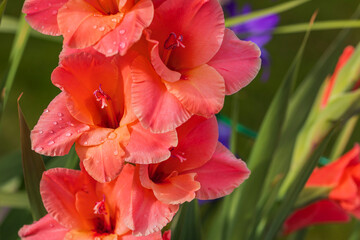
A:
343,177
199,167
81,208
109,26
94,112
194,61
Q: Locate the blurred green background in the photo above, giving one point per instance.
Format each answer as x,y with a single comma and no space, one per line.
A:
41,57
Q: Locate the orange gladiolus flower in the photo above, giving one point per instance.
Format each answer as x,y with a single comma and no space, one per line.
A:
93,111
343,177
193,62
81,208
110,26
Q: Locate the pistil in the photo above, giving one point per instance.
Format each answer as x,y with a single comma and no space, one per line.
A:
106,104
102,209
171,43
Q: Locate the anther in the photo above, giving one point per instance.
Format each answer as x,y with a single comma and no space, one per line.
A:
101,96
173,41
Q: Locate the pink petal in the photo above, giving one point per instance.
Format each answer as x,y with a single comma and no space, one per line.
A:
42,15
154,106
175,190
45,228
201,92
82,25
146,147
128,31
197,133
331,174
153,236
104,162
80,75
142,201
56,130
221,175
324,211
58,189
201,23
237,61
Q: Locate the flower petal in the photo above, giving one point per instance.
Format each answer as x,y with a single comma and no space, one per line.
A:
146,147
42,15
128,31
323,211
82,25
221,175
56,130
58,189
142,201
201,23
45,228
154,106
237,61
105,161
201,91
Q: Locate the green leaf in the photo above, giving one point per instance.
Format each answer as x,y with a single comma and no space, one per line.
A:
14,200
311,194
261,13
274,225
33,167
188,226
324,25
2,8
14,220
263,150
17,51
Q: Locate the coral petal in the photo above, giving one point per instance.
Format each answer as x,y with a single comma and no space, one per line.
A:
221,175
237,61
56,130
155,107
201,92
45,228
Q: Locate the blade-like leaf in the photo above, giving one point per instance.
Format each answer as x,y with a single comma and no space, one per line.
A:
17,50
311,194
261,13
14,200
10,166
14,220
263,150
2,8
188,226
33,167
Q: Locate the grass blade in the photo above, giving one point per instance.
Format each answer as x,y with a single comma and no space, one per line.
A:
33,167
2,8
261,13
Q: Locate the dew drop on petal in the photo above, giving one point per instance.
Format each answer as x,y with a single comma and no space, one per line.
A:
110,51
60,114
41,131
55,123
94,26
85,143
112,135
38,149
68,134
122,31
116,152
51,143
51,131
107,179
114,19
122,45
46,110
54,12
102,28
114,42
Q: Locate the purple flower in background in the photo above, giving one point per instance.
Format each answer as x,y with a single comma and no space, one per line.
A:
224,134
258,31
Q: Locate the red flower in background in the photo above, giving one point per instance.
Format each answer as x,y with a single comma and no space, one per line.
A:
193,62
110,26
81,208
93,110
343,177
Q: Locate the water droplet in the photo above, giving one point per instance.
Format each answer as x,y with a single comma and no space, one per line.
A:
116,152
114,20
122,45
60,114
85,143
51,225
42,27
122,31
114,42
102,28
112,135
51,143
41,131
97,238
46,110
107,179
68,31
94,26
54,12
55,123
68,134
51,131
110,51
38,149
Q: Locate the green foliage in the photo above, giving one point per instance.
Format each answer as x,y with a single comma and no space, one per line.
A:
2,8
